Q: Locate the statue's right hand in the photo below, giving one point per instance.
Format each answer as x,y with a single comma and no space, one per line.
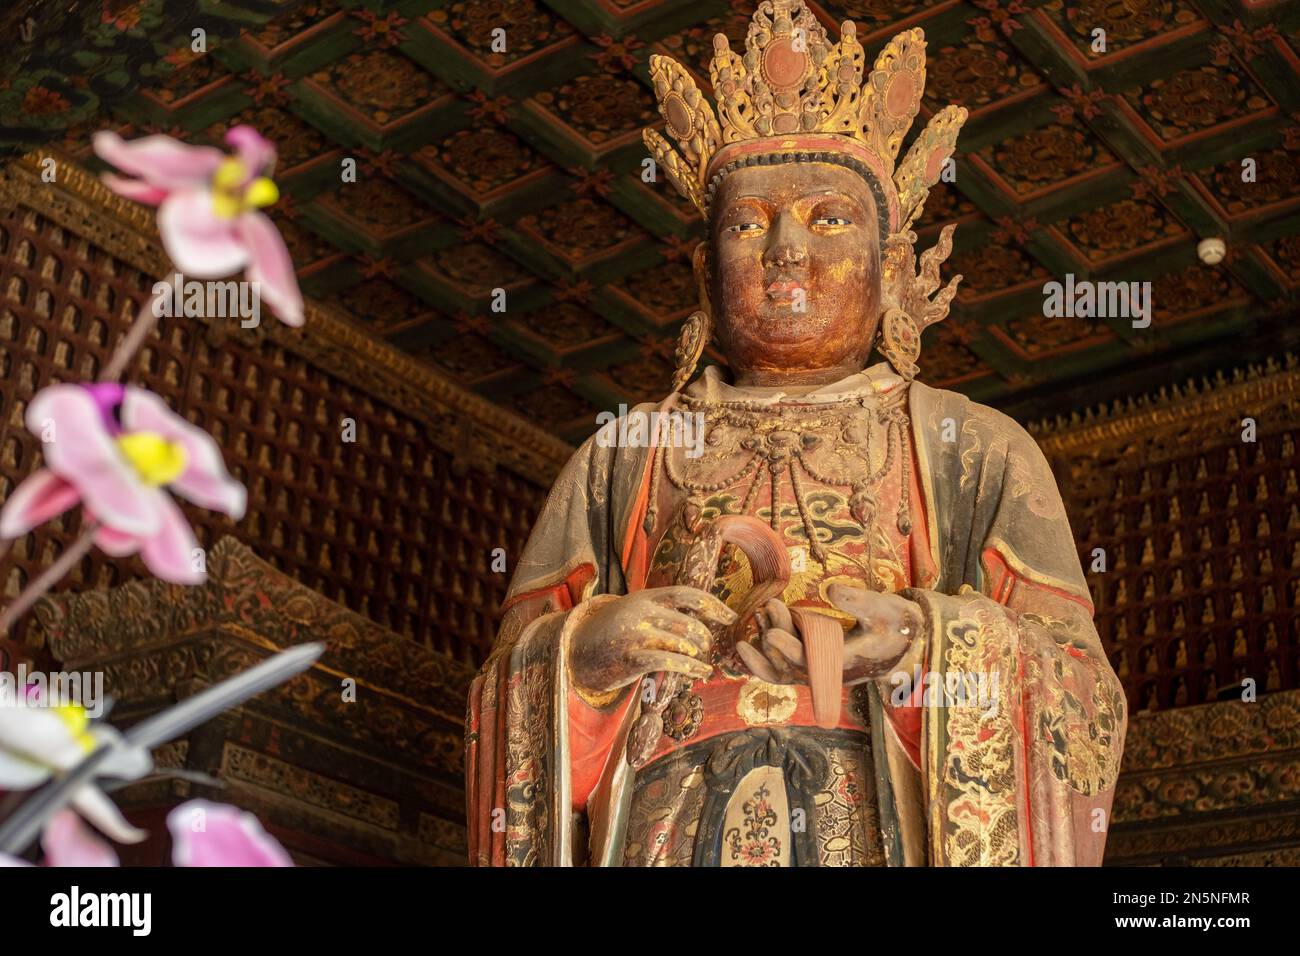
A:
656,629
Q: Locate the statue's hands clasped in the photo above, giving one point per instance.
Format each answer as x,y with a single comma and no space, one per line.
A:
888,627
656,629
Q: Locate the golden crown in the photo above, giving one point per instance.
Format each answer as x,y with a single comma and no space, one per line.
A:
793,92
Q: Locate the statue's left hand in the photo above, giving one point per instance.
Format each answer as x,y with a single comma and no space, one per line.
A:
888,627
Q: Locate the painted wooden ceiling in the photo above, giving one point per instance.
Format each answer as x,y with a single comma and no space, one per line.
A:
520,170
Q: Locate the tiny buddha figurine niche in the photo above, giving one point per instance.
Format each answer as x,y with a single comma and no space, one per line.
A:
852,630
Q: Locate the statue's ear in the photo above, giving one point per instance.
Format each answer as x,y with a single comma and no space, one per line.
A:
897,271
700,263
697,330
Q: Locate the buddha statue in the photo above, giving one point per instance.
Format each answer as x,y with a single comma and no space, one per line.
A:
889,657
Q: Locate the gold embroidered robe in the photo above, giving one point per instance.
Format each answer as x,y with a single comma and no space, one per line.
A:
1026,778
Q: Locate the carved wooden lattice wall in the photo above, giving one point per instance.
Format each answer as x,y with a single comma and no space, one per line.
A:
384,525
1201,535
1206,598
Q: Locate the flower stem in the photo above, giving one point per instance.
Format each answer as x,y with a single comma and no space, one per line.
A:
49,577
144,323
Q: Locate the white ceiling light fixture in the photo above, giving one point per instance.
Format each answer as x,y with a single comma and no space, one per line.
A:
1211,251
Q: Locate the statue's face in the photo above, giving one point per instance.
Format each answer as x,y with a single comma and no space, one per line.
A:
795,254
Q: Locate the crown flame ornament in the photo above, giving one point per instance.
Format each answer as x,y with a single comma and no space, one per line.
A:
794,96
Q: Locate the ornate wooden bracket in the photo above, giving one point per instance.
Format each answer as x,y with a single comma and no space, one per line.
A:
358,760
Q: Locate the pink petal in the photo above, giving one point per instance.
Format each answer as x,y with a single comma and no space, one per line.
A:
40,497
213,834
205,480
136,189
159,160
169,553
200,243
84,454
254,151
69,842
270,265
115,543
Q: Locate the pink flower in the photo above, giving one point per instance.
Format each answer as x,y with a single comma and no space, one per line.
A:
203,834
69,842
113,449
213,834
208,208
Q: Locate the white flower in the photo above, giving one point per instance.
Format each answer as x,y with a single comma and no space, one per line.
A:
36,742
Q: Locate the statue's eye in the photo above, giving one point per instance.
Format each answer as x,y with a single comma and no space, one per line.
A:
745,227
832,221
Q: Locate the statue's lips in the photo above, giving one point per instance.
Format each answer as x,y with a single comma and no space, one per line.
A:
783,289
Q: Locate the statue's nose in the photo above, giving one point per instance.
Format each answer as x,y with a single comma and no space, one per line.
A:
787,247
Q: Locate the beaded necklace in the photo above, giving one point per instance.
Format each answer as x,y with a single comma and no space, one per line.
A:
787,440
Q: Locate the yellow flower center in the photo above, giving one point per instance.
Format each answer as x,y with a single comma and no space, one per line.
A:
232,195
75,719
155,459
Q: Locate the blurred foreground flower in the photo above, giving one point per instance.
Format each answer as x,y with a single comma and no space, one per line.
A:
208,206
37,742
203,834
214,834
69,842
113,448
